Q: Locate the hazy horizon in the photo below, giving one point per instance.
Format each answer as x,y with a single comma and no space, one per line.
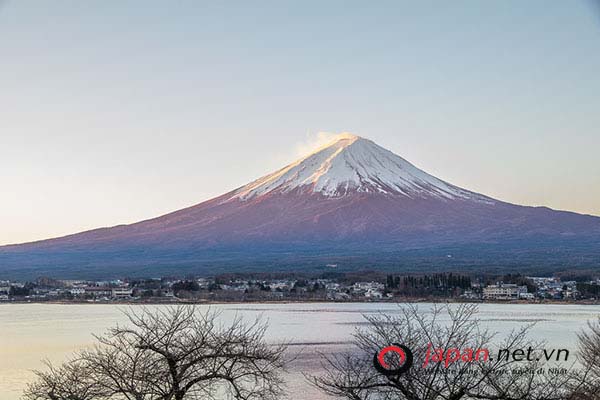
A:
116,113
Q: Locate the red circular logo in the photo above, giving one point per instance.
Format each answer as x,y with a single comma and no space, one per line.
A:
393,360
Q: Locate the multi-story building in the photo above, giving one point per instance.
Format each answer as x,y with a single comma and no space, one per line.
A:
503,291
98,291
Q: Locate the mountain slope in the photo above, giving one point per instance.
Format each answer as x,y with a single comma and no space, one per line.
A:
351,203
353,164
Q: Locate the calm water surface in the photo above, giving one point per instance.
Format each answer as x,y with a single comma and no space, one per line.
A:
30,333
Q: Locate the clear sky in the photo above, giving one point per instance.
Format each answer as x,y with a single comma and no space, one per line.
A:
116,111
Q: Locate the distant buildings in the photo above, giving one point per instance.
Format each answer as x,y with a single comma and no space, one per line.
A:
236,288
505,291
526,296
370,290
4,288
554,288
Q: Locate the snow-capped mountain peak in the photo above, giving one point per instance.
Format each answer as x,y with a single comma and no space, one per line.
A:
351,202
352,164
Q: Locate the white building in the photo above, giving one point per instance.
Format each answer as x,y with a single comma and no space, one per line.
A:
282,285
97,292
373,294
362,287
469,294
503,291
526,296
121,293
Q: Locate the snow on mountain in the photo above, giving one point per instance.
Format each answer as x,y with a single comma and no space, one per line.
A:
349,164
351,202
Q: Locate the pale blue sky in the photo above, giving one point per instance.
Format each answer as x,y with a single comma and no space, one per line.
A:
116,111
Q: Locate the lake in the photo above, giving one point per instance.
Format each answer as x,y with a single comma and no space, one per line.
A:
30,333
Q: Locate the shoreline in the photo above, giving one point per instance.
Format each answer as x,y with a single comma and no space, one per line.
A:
319,301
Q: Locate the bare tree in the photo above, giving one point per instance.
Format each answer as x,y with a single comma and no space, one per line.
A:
175,354
73,381
452,361
586,382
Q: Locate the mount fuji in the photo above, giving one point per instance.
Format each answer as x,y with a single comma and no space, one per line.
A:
351,203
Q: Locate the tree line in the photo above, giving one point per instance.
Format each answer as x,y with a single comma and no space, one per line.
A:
442,284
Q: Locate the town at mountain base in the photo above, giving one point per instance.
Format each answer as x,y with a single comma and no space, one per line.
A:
350,205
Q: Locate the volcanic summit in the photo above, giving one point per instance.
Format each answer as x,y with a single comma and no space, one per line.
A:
351,202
